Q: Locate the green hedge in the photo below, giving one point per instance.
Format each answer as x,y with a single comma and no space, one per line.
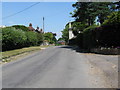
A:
31,38
22,27
89,37
86,39
110,31
13,38
106,35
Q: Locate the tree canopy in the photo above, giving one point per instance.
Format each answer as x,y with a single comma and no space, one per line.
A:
86,12
22,27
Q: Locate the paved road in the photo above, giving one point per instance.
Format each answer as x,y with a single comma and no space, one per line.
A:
59,67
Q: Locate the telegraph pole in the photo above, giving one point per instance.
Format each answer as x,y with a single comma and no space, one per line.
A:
43,24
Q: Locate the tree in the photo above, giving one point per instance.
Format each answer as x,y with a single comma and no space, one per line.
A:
83,12
78,27
103,10
22,27
12,38
65,33
86,12
60,39
50,37
116,6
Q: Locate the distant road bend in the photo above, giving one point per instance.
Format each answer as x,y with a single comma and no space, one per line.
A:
61,67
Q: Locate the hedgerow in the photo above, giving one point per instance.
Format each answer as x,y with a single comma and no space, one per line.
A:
13,38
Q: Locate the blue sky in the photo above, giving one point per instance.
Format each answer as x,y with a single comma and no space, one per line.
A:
56,14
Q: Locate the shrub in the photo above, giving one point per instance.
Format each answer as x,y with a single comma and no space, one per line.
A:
89,37
32,39
40,38
12,38
110,31
72,41
22,27
15,38
113,19
79,40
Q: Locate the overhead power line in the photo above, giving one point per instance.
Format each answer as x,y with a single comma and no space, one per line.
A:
20,11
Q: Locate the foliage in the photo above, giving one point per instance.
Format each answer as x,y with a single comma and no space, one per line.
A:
79,40
12,38
15,38
113,19
110,31
78,27
31,38
89,37
86,12
40,38
50,37
106,35
116,6
65,33
54,39
60,39
22,27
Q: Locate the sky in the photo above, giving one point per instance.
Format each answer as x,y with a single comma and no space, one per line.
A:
56,14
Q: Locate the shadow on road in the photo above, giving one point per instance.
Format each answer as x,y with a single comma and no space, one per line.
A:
75,48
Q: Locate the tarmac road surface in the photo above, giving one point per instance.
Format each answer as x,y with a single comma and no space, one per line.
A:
61,67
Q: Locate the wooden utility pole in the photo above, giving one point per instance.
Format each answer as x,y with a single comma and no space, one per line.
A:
43,24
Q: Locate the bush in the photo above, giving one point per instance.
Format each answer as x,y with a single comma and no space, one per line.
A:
89,37
50,37
40,38
113,19
22,27
107,35
15,38
32,39
12,38
72,41
110,31
79,40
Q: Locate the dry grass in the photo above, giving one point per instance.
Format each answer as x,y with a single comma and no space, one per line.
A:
8,54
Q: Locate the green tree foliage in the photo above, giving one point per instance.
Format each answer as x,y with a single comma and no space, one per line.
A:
89,37
113,19
54,40
13,38
40,38
22,27
65,33
50,37
78,27
110,31
31,38
86,12
60,39
107,35
116,6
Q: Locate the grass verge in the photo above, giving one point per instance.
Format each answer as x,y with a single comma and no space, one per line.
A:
8,54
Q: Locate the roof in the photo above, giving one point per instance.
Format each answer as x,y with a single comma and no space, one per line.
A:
31,28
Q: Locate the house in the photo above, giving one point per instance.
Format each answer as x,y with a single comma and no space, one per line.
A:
30,27
61,42
38,30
